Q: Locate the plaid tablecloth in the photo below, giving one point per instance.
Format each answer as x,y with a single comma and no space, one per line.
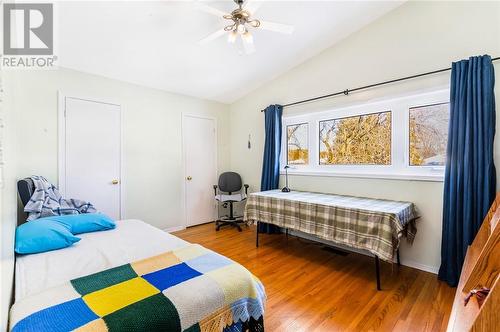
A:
375,225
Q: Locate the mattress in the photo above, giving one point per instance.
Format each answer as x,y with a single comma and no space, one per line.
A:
135,278
131,240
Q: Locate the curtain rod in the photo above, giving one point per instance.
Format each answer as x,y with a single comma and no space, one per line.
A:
347,91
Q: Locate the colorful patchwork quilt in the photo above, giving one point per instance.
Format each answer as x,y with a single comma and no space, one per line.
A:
188,289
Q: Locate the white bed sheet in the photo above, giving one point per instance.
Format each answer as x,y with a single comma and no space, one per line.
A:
131,240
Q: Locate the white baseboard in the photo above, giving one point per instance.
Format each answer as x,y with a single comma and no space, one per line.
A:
174,229
420,266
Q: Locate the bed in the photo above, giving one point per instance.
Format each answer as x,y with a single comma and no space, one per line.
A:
104,282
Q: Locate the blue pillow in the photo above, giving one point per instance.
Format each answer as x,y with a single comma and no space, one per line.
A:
85,222
43,235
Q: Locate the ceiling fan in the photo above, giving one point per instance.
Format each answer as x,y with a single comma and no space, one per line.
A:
240,23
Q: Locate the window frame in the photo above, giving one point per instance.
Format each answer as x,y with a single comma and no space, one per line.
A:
400,139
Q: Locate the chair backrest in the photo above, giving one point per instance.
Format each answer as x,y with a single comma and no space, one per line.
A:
25,187
230,182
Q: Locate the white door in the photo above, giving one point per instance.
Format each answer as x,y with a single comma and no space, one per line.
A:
200,139
92,154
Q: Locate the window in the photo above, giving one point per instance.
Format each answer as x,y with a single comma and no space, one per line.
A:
356,140
429,134
298,149
400,138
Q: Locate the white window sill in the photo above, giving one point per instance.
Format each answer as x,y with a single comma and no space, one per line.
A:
439,177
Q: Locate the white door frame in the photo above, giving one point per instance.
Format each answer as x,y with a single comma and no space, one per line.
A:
61,144
185,115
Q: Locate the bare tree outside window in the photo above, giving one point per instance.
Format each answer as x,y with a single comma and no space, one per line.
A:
356,140
298,146
429,134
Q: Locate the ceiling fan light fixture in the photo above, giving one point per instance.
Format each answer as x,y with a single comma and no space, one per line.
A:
231,38
247,37
241,29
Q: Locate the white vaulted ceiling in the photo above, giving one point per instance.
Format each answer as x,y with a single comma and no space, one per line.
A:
155,43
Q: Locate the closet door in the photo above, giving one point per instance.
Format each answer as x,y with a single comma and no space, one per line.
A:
200,172
92,154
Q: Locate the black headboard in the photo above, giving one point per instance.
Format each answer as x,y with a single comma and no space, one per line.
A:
25,187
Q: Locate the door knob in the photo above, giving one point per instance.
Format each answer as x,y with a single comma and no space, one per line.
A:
115,182
189,178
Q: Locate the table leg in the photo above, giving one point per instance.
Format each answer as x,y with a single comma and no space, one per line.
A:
377,271
257,237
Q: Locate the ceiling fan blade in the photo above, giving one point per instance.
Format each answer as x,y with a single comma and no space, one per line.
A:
276,27
209,10
212,36
252,6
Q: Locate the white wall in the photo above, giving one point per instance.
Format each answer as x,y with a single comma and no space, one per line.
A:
8,206
416,37
153,177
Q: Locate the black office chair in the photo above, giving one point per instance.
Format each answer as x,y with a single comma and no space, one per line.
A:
227,193
25,188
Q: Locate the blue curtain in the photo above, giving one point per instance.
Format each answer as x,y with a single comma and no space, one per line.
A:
271,163
470,178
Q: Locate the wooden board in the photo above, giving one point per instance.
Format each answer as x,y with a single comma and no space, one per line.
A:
481,268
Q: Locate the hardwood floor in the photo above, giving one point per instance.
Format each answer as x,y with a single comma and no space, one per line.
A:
313,289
